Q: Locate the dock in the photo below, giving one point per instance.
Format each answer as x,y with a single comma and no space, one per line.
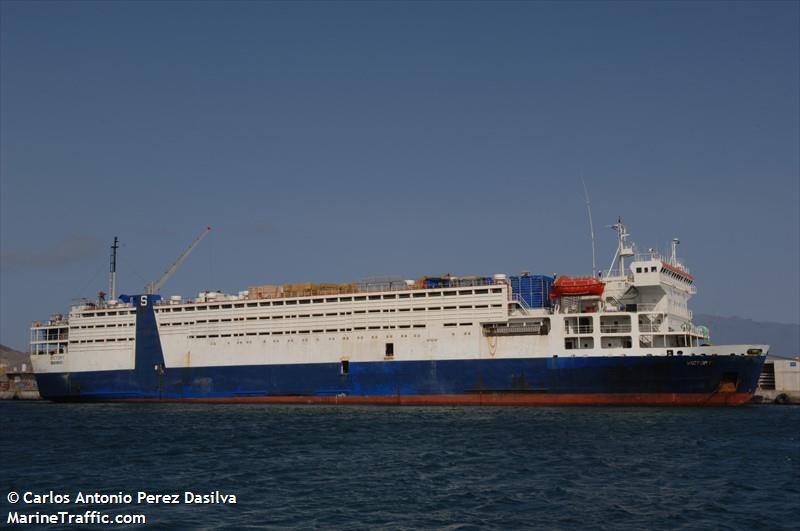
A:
779,382
18,383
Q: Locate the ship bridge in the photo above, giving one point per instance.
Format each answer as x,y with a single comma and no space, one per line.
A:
643,302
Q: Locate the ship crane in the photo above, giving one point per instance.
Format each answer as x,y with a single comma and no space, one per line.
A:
154,287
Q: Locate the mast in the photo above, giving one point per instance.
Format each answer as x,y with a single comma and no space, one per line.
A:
591,227
623,249
673,259
621,243
113,280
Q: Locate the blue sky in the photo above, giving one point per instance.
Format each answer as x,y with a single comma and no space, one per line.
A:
336,141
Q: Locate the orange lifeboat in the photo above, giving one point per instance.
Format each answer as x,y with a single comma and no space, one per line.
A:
572,287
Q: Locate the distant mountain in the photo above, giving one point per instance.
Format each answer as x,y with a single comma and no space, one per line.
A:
783,339
13,358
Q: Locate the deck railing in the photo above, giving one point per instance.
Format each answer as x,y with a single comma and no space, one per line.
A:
579,329
615,329
649,328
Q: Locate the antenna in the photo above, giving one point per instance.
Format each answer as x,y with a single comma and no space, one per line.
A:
113,281
591,225
673,259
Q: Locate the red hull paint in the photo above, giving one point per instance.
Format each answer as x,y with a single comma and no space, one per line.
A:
504,399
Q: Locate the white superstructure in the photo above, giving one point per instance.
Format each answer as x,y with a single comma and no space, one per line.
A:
642,311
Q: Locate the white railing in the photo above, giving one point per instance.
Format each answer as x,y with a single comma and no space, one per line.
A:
516,297
639,308
578,329
649,328
646,257
615,329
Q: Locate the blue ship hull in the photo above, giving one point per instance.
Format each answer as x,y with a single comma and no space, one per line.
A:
690,379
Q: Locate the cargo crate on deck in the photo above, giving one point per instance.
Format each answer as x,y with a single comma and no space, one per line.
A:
533,289
264,292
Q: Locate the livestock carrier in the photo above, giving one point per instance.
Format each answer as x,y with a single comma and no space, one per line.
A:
623,337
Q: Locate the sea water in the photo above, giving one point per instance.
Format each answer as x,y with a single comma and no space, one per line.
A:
355,467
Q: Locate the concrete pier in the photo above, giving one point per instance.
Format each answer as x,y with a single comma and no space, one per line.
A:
779,382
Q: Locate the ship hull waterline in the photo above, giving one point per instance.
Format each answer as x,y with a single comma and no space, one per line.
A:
479,399
617,380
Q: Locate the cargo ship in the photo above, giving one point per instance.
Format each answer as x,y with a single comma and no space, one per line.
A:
620,337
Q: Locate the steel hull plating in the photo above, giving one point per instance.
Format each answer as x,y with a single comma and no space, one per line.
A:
552,380
619,380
